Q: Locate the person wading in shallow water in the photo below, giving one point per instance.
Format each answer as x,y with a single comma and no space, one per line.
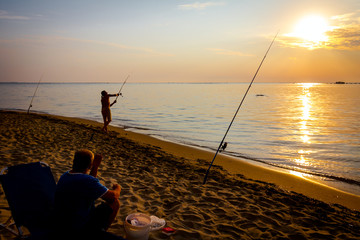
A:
105,108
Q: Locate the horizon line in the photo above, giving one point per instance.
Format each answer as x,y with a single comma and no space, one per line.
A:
15,82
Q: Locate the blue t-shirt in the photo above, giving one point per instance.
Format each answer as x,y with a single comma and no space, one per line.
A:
75,198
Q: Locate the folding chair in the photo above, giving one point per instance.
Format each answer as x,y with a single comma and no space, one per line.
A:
29,190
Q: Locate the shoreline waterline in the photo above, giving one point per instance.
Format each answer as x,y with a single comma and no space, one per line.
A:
304,128
286,181
346,185
157,182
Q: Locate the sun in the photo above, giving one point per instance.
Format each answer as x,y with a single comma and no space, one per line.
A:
312,28
311,31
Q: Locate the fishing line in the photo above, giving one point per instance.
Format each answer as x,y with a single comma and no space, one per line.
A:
119,93
34,94
222,144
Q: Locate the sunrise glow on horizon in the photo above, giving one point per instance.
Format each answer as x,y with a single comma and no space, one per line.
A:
179,41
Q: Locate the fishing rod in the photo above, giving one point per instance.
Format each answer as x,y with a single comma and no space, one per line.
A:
223,145
34,94
119,93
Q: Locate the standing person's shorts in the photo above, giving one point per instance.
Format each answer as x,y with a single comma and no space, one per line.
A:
106,114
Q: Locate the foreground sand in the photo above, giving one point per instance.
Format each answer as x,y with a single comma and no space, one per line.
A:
156,180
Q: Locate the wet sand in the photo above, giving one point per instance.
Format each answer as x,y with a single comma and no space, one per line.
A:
239,201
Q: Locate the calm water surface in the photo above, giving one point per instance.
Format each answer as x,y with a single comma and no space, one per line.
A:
311,130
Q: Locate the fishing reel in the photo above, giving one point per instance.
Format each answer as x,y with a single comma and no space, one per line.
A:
223,146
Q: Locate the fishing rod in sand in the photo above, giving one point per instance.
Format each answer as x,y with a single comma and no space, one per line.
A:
119,93
34,94
223,145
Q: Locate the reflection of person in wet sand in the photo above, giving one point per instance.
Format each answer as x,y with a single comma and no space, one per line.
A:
105,108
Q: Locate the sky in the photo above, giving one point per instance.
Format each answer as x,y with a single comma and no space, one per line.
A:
179,40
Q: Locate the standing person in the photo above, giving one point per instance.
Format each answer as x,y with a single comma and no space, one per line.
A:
76,192
105,108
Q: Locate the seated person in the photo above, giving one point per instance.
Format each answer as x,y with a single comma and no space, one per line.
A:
75,212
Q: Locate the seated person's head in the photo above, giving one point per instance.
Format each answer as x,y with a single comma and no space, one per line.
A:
82,161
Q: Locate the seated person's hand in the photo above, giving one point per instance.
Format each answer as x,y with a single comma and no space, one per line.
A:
116,186
117,189
97,160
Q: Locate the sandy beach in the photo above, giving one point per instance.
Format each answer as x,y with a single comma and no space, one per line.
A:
239,201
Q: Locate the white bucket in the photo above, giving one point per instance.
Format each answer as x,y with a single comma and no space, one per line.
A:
140,230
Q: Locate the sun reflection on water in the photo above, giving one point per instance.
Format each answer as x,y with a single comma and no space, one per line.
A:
302,160
305,117
304,127
299,174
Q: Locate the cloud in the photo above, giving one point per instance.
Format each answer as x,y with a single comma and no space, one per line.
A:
345,38
228,52
344,34
347,33
5,15
116,45
199,6
53,39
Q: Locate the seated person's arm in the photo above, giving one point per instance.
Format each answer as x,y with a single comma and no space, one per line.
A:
96,164
113,194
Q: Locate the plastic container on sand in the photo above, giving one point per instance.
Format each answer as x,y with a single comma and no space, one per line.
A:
137,226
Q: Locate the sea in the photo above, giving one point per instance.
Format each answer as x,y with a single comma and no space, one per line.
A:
310,130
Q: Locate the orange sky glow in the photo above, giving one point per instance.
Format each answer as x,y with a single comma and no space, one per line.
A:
154,41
